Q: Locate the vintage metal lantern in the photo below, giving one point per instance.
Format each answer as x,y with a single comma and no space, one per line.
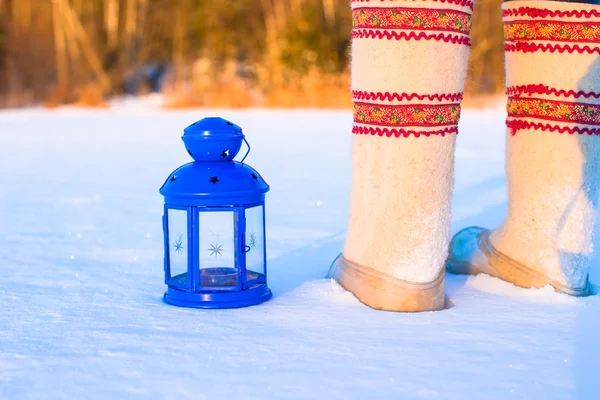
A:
214,223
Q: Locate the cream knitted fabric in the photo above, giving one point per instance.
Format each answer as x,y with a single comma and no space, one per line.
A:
409,62
553,152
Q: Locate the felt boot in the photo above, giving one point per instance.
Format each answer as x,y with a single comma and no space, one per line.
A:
409,61
553,152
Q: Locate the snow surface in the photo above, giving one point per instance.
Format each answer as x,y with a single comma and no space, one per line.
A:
81,312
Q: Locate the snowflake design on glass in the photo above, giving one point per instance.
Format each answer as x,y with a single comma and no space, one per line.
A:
253,242
215,250
179,244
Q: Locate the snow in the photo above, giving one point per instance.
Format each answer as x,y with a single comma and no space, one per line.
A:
81,313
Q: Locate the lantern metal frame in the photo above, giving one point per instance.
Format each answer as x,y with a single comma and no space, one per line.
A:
166,234
243,189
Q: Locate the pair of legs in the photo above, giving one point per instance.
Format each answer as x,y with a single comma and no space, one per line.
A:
409,61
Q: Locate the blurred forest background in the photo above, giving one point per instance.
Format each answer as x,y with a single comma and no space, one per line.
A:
220,53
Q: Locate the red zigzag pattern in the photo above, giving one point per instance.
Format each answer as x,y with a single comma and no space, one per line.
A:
552,48
516,125
360,130
462,3
516,91
545,13
370,33
387,96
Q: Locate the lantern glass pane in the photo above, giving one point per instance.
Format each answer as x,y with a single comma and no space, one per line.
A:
178,245
255,243
217,255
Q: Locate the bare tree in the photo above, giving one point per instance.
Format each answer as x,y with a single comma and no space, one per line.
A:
59,45
111,18
329,8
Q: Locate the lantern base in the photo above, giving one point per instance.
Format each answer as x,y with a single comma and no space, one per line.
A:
207,299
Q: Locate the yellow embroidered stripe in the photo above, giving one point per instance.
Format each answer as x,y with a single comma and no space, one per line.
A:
562,111
412,19
407,115
583,32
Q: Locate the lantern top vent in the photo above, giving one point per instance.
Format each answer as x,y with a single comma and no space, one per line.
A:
213,139
214,179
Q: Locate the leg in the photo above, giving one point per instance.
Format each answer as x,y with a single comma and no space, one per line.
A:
408,71
553,152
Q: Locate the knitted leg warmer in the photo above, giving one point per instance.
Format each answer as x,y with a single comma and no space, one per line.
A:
409,62
553,152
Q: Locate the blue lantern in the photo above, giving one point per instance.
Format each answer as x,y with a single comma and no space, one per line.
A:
214,223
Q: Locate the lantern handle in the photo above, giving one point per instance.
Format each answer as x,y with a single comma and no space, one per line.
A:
249,148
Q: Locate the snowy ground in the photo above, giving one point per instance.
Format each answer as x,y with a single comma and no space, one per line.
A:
81,314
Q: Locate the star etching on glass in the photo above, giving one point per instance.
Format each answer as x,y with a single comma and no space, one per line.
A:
179,244
215,250
253,241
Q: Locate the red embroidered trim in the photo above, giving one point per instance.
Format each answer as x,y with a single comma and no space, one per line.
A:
552,110
363,130
582,32
462,3
387,96
407,115
526,47
412,19
516,125
544,13
516,91
370,33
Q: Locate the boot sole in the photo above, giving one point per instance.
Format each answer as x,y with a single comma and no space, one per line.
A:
499,265
383,292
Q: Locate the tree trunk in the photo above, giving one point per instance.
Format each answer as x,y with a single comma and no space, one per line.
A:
280,15
271,27
272,41
72,46
178,43
329,9
130,29
296,7
59,45
86,46
111,18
